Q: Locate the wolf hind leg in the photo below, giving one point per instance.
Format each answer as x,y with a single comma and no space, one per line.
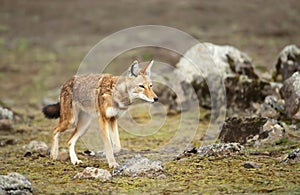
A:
83,124
61,127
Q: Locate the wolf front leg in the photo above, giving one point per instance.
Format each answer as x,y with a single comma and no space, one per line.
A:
114,135
105,130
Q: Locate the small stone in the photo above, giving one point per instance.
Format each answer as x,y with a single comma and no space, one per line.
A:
139,166
37,146
162,176
6,142
272,107
15,183
293,156
63,155
89,153
6,114
219,150
273,132
252,165
27,154
94,173
6,124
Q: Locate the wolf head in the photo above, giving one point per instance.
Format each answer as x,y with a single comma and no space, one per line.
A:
140,84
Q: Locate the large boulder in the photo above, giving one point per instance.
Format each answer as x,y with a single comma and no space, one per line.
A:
206,66
205,59
211,73
252,131
288,62
15,183
290,92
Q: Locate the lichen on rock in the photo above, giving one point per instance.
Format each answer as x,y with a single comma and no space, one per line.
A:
139,166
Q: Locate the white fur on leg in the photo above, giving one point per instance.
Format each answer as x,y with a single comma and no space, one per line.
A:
72,153
54,148
83,123
115,137
108,147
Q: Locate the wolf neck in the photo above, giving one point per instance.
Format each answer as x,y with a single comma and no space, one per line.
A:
121,97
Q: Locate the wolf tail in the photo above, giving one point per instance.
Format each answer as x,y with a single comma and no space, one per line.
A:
52,111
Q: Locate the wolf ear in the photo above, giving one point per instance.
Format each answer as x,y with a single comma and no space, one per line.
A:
147,69
134,69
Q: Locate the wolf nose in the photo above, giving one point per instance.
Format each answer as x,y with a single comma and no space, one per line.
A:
155,99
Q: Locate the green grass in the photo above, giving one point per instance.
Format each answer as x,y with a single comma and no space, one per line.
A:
207,175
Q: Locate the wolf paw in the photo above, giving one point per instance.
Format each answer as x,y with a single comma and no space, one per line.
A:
76,162
53,156
117,149
113,165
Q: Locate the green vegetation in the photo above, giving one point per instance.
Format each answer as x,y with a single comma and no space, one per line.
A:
192,174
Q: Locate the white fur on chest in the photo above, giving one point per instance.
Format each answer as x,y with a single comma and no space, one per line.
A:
112,112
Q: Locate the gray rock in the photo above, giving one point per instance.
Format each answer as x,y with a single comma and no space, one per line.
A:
290,92
288,62
239,130
241,91
272,107
139,166
203,70
251,131
15,183
9,141
89,153
94,173
222,149
37,146
63,155
293,156
272,131
6,114
227,60
252,165
162,176
218,150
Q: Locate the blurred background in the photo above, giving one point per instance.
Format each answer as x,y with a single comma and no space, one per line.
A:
43,42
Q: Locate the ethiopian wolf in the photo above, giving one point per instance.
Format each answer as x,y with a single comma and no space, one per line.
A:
104,96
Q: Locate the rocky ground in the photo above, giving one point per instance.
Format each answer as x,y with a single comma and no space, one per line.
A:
40,49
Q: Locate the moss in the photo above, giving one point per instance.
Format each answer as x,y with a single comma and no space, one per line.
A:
207,175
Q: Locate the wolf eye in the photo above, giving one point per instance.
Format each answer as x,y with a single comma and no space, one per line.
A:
142,86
